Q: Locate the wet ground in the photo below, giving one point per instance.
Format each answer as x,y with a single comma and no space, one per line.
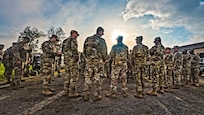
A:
28,100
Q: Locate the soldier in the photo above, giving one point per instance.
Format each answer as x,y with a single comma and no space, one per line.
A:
7,61
25,54
17,65
119,58
168,68
48,57
186,67
138,59
157,67
1,52
95,54
71,58
195,68
178,63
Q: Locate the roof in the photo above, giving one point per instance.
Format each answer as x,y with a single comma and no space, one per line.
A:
193,46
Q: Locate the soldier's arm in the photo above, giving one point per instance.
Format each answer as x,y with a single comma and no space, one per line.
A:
46,49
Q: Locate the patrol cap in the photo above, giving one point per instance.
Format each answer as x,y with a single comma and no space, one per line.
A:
176,47
157,39
140,38
99,29
55,36
14,43
26,38
168,48
74,31
1,46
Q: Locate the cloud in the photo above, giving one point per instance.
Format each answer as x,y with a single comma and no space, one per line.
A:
169,14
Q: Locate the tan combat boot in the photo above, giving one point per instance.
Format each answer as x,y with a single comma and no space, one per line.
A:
169,89
196,84
97,98
161,90
51,89
86,97
139,94
112,95
124,94
73,94
46,91
153,92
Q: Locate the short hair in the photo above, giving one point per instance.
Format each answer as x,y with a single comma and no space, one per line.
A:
99,29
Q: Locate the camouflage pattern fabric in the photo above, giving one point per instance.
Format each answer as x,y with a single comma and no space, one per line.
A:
195,68
138,58
8,62
48,56
168,68
186,67
178,63
71,57
95,52
157,65
119,58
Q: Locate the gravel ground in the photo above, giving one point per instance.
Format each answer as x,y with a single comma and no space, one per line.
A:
28,100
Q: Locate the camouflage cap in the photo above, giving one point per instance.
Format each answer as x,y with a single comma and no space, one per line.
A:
74,31
176,47
1,46
55,36
139,38
99,29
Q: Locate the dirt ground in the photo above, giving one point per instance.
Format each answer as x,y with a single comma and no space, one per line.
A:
28,100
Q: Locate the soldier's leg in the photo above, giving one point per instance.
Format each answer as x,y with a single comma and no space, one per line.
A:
47,71
168,80
161,78
8,73
177,78
123,74
196,76
18,74
74,73
88,81
155,78
67,79
114,82
138,83
97,83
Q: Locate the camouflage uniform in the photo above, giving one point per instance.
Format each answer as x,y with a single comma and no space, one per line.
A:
138,58
8,63
168,68
17,64
71,58
119,57
157,68
178,63
95,52
195,69
186,68
48,58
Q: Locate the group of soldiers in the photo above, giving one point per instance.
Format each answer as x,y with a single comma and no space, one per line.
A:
168,69
15,60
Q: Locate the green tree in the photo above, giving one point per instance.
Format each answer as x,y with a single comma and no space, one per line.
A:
34,34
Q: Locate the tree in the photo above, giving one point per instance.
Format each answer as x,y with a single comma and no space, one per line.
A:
34,34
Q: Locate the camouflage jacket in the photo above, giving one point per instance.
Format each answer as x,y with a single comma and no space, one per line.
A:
168,60
8,57
186,60
139,54
95,48
119,54
156,53
178,60
25,51
49,50
195,61
70,49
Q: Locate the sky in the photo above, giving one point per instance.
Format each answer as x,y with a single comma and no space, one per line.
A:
177,22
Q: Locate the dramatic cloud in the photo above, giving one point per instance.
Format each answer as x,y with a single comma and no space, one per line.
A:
170,14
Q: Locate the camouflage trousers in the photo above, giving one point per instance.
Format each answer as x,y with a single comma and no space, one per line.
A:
72,76
8,72
177,76
47,68
157,75
138,74
18,74
93,77
195,74
186,74
168,77
118,72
